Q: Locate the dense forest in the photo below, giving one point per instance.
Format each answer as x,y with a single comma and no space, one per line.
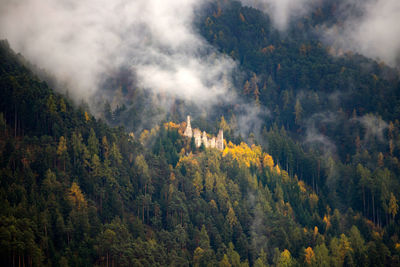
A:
316,186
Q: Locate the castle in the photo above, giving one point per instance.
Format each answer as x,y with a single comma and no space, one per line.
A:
202,138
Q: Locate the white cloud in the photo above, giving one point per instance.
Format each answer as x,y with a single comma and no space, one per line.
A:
375,34
282,12
79,41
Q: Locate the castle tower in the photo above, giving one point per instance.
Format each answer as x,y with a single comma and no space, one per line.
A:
197,137
188,131
212,142
205,139
219,144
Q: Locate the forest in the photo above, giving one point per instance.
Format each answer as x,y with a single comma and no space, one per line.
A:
317,185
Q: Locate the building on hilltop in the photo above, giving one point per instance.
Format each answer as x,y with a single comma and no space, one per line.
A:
197,137
219,143
203,138
188,131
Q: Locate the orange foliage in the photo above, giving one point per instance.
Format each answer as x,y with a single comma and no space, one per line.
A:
171,125
327,221
269,48
277,169
242,17
87,117
308,255
315,231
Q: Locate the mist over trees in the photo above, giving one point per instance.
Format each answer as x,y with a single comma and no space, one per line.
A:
308,175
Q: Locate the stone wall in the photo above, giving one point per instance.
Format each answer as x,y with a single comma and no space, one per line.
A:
200,138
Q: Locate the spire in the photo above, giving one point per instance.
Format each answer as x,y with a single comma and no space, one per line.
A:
220,140
188,131
205,139
188,122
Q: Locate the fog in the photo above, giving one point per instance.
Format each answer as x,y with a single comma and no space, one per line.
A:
374,33
282,12
368,27
80,42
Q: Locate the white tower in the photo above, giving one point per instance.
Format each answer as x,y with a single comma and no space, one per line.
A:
188,131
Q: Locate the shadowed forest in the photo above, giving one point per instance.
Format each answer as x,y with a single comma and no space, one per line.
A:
309,174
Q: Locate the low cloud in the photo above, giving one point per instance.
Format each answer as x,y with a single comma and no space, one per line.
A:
251,118
374,127
282,12
82,42
317,140
368,27
374,32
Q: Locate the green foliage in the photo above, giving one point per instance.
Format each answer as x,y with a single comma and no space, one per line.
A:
75,192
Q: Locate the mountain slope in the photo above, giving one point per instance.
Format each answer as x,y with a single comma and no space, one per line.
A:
77,192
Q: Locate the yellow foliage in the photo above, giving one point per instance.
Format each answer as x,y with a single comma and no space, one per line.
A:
198,183
189,159
198,253
288,210
268,161
76,197
393,206
224,125
231,217
244,154
286,254
397,246
63,107
213,204
62,146
143,136
171,189
302,186
131,136
224,262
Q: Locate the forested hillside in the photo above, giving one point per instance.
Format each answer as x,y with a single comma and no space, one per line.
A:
334,119
317,186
